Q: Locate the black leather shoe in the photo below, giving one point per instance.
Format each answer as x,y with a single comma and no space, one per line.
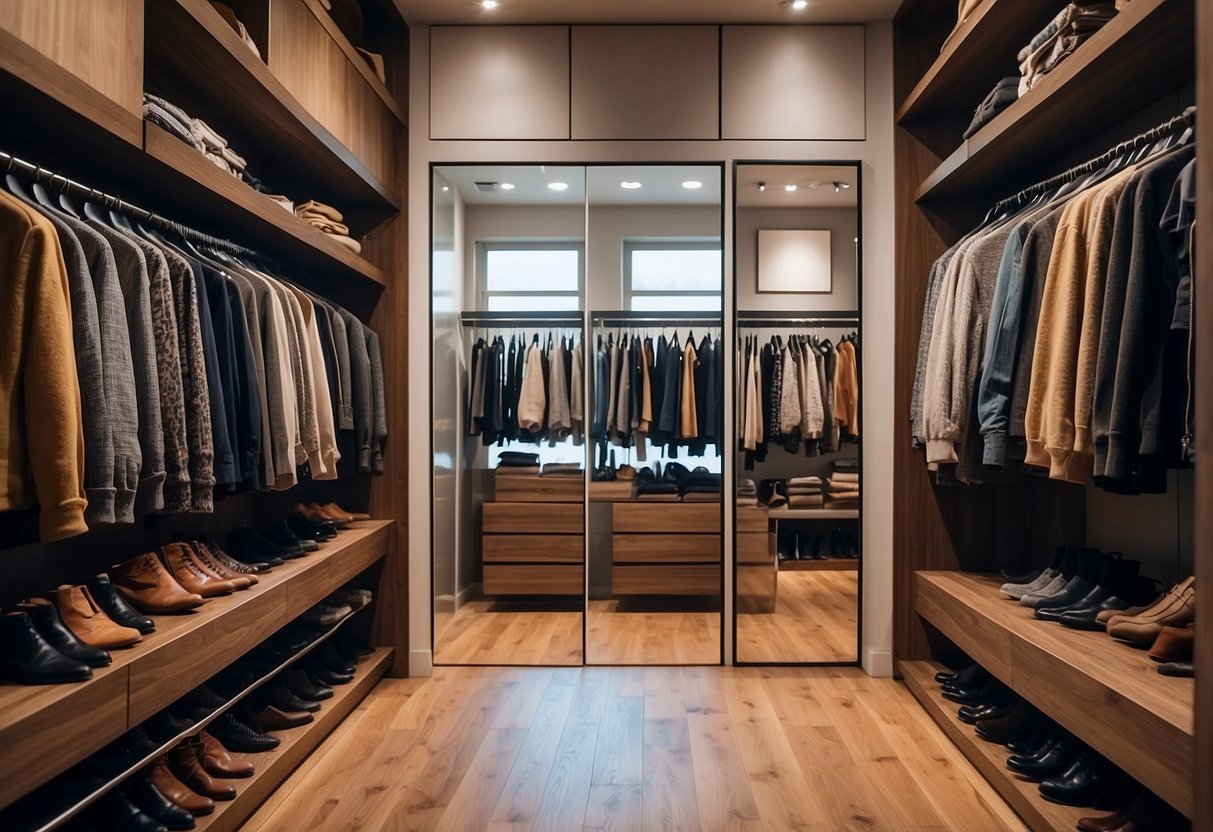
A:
236,736
987,692
1032,745
155,805
280,533
282,699
1081,783
309,529
50,626
1021,721
114,605
1092,599
322,674
967,677
330,658
26,657
119,813
303,687
1051,761
995,709
164,726
248,545
1075,589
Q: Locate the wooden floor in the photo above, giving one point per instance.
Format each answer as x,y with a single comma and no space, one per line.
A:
816,619
647,631
637,749
502,632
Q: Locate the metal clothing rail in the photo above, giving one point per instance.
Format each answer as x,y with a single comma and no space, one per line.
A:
62,184
628,318
757,319
529,319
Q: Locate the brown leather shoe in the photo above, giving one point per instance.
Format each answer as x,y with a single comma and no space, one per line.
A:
217,762
151,588
353,515
1179,611
1104,616
177,792
317,514
185,761
231,564
1174,644
1164,602
180,561
80,612
272,719
207,562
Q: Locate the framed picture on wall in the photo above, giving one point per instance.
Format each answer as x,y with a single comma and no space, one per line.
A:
794,262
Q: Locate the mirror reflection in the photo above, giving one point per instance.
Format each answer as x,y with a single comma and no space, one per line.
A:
509,426
798,414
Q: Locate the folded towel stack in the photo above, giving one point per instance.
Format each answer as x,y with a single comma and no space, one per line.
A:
844,484
563,469
515,464
328,219
747,493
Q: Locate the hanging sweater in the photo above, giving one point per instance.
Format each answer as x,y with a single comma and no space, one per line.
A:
532,403
378,403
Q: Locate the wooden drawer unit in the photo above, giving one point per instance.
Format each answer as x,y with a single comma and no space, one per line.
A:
540,489
680,548
533,579
755,548
753,520
667,518
533,518
534,548
666,579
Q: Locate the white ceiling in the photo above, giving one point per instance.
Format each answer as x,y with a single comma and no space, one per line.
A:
645,11
814,186
659,184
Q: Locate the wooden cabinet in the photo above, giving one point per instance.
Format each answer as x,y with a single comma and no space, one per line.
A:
665,549
532,547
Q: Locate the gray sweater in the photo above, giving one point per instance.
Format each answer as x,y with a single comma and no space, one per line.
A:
360,366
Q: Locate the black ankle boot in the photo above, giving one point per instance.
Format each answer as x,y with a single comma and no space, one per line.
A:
26,657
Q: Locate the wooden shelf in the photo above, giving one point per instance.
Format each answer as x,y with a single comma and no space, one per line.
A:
988,758
359,63
827,565
1143,53
233,204
981,52
192,52
47,728
274,767
814,514
1106,693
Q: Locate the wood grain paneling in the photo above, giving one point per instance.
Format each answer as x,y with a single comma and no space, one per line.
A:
534,548
305,59
533,579
690,579
99,41
356,60
757,588
662,518
533,518
753,520
755,548
674,548
540,489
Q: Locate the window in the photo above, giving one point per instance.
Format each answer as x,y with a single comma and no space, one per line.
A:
538,276
662,276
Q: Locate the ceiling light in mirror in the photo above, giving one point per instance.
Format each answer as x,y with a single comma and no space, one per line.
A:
488,5
692,184
790,188
628,185
506,186
558,186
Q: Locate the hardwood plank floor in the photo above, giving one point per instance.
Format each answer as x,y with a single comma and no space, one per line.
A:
653,631
816,619
510,632
660,748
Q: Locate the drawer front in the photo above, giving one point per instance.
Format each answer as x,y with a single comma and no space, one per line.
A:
752,520
691,579
667,518
528,579
534,548
540,489
533,518
755,548
666,548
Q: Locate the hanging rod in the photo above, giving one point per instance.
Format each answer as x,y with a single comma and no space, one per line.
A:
63,184
528,318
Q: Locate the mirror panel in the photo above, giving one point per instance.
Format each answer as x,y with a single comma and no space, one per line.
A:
797,531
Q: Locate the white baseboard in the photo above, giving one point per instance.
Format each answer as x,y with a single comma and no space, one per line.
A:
421,663
878,663
471,591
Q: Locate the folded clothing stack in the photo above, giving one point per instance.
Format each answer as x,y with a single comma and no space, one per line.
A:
563,469
747,493
1057,41
515,464
805,492
659,491
217,150
698,486
172,119
1004,94
844,485
228,15
329,220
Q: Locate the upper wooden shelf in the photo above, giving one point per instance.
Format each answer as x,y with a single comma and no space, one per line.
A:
1142,54
979,53
1108,694
192,54
47,728
359,63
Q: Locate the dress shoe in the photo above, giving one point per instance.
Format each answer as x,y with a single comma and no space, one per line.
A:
186,765
327,677
327,654
144,794
1081,783
319,512
217,762
234,735
165,725
1161,603
355,598
80,612
149,586
279,532
353,515
1144,813
247,540
26,657
966,677
303,687
117,811
1031,745
1050,761
178,559
214,569
283,699
249,569
987,692
45,616
270,718
997,709
1051,588
1174,644
243,549
1180,670
1094,616
162,777
305,529
115,606
1019,722
1144,629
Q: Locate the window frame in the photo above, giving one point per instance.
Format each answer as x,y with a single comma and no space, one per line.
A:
483,247
631,245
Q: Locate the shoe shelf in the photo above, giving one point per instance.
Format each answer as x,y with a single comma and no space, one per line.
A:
980,52
53,810
1147,48
1106,693
45,729
814,514
274,767
989,758
827,565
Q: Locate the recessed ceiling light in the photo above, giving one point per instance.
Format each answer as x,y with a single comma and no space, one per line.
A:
489,5
629,185
446,188
507,186
692,184
558,186
790,188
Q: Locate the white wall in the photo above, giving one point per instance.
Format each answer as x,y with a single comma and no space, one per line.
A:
875,153
840,222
